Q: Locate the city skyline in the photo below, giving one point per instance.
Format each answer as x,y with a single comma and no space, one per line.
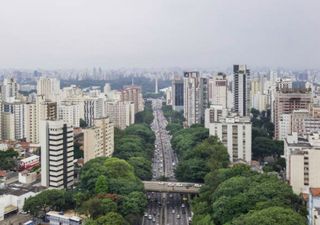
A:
116,34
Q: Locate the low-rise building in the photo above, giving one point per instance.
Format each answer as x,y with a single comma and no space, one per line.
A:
63,218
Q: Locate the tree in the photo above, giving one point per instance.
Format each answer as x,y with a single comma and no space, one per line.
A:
272,215
101,185
83,123
46,201
134,203
262,147
142,167
209,155
111,219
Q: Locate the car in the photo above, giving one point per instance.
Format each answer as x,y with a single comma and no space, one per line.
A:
178,216
173,211
179,185
198,185
183,205
153,219
146,214
170,184
150,217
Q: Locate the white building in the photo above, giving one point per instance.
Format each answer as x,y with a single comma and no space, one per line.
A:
56,140
31,123
195,97
121,113
99,139
63,218
285,125
70,113
302,161
49,88
241,90
7,126
233,131
218,90
9,90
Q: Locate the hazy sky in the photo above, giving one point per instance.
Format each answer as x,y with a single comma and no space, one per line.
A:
159,33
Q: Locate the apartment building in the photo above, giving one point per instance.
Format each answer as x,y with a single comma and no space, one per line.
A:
241,90
177,94
56,141
218,90
195,97
286,101
133,94
233,131
302,161
121,113
99,139
70,113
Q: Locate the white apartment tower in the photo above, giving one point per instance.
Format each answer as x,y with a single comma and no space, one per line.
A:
195,97
233,131
31,123
9,89
56,140
99,139
218,90
49,88
121,113
70,113
241,90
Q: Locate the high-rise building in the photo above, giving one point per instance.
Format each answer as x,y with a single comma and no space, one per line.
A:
56,140
241,90
233,131
7,125
133,94
31,123
98,140
218,90
287,101
17,109
195,97
89,108
302,161
9,90
121,113
70,113
177,94
49,88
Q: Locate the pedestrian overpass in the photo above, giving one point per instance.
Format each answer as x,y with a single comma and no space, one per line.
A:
173,187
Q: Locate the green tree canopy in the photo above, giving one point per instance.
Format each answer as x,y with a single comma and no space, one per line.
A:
268,216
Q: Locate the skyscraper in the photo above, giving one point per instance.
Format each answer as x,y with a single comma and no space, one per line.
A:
56,140
241,90
195,97
177,94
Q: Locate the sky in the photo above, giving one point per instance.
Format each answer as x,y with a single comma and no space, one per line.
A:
58,34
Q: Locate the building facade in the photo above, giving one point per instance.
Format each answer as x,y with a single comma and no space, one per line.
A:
234,132
195,98
99,139
241,90
177,94
56,140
